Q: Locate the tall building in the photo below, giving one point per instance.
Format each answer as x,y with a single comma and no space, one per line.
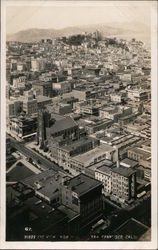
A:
119,181
83,195
103,174
29,103
44,121
7,90
123,181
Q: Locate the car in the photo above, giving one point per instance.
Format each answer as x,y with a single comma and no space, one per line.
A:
38,202
30,160
38,161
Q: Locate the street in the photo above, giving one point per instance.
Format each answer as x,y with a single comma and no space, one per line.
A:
46,164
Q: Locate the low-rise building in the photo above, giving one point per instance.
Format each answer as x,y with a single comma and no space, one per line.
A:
23,126
121,143
143,156
81,94
44,88
62,151
61,87
118,97
43,101
138,94
97,124
45,185
81,162
13,108
60,108
114,112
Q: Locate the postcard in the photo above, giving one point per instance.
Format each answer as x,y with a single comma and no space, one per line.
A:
78,125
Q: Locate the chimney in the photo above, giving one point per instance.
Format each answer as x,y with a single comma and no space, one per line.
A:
118,163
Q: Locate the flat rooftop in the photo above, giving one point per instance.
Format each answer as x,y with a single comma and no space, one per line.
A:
40,83
19,172
127,117
104,169
109,108
76,144
42,98
40,209
131,227
70,213
126,172
57,117
40,178
90,155
102,163
82,183
44,215
137,150
129,162
11,193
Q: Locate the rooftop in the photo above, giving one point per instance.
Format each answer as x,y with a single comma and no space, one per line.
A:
128,163
105,169
126,172
40,83
128,116
40,178
82,184
43,214
90,155
75,144
66,210
19,172
100,164
131,227
63,124
11,194
141,151
42,98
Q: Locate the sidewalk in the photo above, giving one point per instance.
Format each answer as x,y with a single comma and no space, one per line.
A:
13,135
32,145
13,166
31,167
25,163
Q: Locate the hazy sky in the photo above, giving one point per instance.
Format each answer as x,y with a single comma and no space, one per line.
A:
25,17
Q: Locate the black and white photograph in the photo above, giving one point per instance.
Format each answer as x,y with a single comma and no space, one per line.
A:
79,124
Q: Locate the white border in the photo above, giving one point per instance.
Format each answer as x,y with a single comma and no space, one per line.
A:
82,245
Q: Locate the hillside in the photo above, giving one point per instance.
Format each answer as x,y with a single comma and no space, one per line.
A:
126,30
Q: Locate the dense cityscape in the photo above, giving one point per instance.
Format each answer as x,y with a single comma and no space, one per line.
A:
78,143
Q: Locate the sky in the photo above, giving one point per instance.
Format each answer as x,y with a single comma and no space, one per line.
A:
25,17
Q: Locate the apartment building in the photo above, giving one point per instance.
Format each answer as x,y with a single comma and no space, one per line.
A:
103,174
123,181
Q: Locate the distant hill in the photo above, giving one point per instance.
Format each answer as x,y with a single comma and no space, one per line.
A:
125,30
